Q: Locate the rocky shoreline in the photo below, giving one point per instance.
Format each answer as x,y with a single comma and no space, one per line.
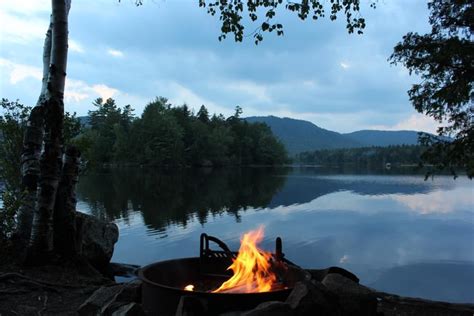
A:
65,290
85,286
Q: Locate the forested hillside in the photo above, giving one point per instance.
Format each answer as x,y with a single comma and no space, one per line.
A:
384,138
365,156
299,135
174,135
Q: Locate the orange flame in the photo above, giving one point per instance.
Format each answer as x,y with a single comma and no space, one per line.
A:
252,270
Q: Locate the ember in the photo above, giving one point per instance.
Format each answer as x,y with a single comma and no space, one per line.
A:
252,268
189,287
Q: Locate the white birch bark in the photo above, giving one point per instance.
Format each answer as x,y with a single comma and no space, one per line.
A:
32,145
41,242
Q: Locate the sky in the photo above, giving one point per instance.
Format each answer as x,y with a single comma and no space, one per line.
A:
316,71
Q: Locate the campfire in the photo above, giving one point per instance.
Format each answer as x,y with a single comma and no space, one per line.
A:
252,269
226,280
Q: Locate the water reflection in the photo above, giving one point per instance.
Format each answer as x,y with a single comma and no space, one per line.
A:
452,281
438,201
397,232
304,188
173,198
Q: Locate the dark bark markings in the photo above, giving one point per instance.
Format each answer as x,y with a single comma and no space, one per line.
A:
32,145
50,162
65,207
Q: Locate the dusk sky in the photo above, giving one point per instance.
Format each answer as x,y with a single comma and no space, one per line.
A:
316,71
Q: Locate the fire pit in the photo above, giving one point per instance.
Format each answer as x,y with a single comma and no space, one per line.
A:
204,278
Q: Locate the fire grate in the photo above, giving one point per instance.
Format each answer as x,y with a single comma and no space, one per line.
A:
164,282
212,260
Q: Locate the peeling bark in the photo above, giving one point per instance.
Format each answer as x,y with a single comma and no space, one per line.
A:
41,241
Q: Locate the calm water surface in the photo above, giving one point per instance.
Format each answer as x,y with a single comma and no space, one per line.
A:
398,233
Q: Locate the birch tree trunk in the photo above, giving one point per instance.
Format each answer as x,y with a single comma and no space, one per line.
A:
32,145
41,242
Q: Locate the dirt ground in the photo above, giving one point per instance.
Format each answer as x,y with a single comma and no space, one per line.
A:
55,289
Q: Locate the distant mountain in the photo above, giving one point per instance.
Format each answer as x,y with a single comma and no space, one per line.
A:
384,138
84,120
299,135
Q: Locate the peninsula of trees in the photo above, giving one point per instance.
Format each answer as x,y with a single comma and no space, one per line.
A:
166,135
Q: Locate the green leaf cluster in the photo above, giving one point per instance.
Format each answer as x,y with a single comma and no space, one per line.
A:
13,120
444,60
232,13
11,202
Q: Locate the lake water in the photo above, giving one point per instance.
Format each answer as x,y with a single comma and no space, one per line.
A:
396,232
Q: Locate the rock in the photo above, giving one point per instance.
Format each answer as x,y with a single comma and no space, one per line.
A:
96,239
319,274
123,269
131,309
191,306
312,298
119,299
271,308
233,313
354,299
131,292
99,301
394,305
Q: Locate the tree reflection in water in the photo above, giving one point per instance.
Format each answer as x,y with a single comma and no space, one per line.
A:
165,198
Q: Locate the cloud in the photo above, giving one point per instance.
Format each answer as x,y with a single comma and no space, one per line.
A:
418,122
26,7
104,91
415,122
115,53
75,46
344,259
19,72
77,91
180,94
306,74
16,29
344,65
257,92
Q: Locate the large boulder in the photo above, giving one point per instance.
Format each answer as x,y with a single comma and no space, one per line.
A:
96,239
354,299
99,301
320,274
271,308
312,298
